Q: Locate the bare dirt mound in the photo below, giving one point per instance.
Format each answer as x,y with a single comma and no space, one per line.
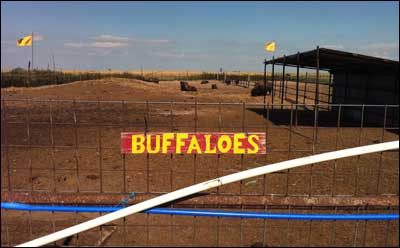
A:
103,89
130,89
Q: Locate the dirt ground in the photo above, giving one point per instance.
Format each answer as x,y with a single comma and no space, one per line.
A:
70,147
136,90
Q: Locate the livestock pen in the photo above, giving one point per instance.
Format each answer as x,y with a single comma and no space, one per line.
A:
67,152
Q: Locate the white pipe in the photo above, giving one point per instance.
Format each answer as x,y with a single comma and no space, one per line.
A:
208,185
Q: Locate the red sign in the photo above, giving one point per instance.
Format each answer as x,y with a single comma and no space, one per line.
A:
193,143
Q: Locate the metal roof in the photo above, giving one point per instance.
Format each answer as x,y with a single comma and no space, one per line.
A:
334,60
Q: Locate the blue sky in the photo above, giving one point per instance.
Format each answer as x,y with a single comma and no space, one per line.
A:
191,35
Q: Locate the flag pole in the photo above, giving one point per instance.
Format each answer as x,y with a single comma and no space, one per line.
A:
32,52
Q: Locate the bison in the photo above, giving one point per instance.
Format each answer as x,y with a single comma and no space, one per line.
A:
259,89
186,87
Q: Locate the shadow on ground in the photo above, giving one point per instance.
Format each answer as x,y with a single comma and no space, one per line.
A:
329,118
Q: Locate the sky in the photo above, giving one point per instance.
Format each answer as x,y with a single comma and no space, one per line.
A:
201,36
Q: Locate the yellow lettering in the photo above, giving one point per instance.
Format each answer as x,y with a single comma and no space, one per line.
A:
157,146
208,145
137,143
237,143
166,141
194,144
179,142
251,139
227,140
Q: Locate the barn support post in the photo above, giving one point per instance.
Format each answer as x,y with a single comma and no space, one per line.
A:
346,86
366,89
265,83
286,87
273,81
297,83
395,101
316,99
329,89
305,89
283,80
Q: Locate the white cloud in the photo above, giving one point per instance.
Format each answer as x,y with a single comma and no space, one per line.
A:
76,44
382,50
337,47
107,37
381,46
111,41
97,44
110,38
152,41
108,44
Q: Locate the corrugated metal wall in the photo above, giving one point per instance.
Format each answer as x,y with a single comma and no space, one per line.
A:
367,88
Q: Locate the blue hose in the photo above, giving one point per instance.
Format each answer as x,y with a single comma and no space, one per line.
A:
206,213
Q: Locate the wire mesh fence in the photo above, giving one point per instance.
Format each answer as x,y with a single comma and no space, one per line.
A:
74,146
71,150
172,230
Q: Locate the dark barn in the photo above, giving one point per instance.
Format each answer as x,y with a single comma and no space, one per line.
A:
354,79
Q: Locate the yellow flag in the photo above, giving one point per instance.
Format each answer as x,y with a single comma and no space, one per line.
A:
270,46
26,41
